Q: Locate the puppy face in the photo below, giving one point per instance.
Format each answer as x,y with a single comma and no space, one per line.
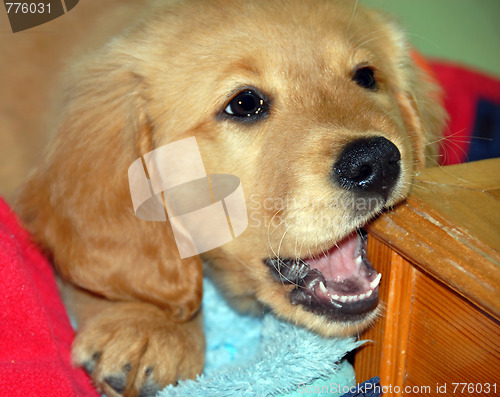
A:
311,105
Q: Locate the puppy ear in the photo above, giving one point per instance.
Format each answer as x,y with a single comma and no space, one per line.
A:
418,97
78,203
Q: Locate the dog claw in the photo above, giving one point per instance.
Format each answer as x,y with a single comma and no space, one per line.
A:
89,365
117,382
150,389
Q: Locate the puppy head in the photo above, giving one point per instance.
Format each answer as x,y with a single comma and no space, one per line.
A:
315,105
318,109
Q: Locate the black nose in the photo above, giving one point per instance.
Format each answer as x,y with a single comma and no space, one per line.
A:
370,165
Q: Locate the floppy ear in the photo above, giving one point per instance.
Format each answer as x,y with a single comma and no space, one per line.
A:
418,97
78,204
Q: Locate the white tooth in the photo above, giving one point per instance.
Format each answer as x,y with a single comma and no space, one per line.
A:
374,284
335,303
359,260
322,287
336,297
369,293
343,298
362,296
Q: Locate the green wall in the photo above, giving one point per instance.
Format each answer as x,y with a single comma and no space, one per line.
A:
466,31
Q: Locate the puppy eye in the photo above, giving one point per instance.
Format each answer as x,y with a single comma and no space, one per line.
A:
365,77
247,105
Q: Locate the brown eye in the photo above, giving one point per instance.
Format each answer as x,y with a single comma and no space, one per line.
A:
365,77
247,105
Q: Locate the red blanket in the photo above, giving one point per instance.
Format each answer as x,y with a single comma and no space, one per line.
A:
472,100
35,333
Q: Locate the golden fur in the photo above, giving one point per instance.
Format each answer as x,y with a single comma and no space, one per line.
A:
169,77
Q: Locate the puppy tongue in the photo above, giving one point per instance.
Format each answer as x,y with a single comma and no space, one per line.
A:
341,262
341,280
343,273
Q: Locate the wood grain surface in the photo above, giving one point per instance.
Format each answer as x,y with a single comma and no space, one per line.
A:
439,254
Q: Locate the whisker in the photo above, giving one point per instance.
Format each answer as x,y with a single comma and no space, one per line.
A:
435,44
370,39
355,8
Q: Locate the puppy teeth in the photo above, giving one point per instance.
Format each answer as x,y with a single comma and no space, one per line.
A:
322,287
359,260
350,298
369,293
374,284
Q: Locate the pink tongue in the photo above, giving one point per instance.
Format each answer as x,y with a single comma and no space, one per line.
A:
339,263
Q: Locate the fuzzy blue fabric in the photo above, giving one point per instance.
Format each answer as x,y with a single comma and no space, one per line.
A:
249,356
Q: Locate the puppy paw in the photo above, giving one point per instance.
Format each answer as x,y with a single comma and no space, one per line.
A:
133,349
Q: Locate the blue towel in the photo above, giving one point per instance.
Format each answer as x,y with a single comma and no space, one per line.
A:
249,356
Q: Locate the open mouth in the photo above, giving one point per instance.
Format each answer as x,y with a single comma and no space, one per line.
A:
340,283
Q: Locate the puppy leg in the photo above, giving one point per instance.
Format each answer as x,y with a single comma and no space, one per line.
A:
133,348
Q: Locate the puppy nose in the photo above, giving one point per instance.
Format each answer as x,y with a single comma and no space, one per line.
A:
370,165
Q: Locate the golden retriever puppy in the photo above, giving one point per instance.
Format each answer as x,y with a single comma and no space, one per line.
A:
318,108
